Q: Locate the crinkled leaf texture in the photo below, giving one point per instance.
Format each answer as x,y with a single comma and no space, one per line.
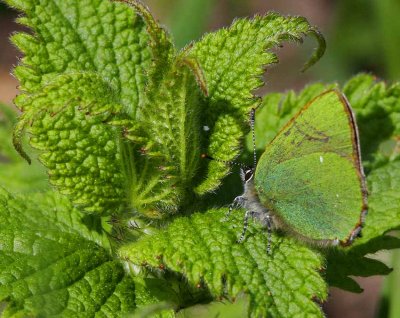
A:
120,119
114,59
52,265
92,36
67,119
283,284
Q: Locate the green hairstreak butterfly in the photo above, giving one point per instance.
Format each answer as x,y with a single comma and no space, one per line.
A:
310,181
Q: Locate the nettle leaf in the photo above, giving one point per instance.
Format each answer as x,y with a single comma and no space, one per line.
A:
92,36
162,178
67,119
52,266
83,59
384,201
383,216
150,166
233,61
353,262
378,113
204,249
166,151
161,116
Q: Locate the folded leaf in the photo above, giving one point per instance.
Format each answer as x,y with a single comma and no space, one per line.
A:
167,161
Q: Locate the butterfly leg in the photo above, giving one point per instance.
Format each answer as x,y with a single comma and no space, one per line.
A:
269,233
238,201
245,225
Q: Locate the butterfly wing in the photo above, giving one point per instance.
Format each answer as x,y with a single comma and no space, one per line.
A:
310,176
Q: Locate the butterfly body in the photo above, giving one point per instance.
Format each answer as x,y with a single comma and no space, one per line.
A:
310,181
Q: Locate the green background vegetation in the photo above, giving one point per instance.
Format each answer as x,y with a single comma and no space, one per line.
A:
364,37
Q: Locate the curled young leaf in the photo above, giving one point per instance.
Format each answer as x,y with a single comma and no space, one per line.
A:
233,61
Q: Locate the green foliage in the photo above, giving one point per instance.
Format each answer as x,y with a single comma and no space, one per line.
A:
68,121
378,112
281,284
119,118
352,262
52,265
220,309
94,36
152,160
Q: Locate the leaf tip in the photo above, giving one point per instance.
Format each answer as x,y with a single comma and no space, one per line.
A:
319,51
17,139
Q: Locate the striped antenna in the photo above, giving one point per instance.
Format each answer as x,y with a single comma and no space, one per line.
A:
252,121
232,163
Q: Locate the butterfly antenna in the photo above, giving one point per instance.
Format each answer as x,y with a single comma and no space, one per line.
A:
252,121
232,163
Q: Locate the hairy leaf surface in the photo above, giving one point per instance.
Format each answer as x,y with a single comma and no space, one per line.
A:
52,265
162,176
204,249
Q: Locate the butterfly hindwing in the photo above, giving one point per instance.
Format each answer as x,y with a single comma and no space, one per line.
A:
310,176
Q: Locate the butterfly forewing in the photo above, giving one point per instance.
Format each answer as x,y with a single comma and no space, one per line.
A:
310,176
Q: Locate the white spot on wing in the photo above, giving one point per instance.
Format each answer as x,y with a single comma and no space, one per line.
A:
321,159
206,128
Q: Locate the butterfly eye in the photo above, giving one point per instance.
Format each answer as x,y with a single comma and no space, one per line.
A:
248,175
